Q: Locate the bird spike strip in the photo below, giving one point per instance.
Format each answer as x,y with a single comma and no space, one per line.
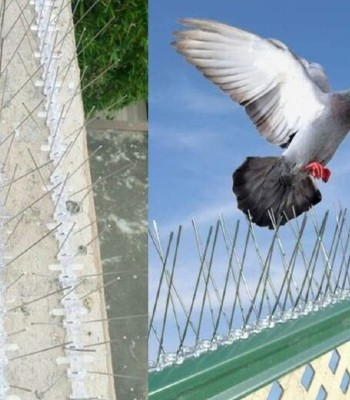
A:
218,286
46,306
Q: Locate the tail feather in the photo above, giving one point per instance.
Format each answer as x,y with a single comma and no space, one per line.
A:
265,186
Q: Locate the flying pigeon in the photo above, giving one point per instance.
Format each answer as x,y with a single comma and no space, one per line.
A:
291,104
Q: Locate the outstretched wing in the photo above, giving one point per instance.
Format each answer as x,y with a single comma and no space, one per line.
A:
263,75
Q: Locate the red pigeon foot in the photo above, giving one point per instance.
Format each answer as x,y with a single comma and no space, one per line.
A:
318,171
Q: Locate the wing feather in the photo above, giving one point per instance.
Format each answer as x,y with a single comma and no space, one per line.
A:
280,92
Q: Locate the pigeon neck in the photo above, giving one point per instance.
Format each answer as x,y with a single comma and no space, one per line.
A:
341,107
346,95
347,99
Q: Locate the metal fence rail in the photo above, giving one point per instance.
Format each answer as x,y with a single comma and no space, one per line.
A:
214,287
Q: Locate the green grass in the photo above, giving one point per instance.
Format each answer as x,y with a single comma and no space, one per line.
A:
112,52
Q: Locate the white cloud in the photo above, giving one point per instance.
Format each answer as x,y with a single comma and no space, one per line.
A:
203,216
183,138
206,102
191,97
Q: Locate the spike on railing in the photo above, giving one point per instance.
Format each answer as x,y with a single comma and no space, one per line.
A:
215,287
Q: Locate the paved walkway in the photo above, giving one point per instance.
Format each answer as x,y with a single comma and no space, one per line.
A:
121,207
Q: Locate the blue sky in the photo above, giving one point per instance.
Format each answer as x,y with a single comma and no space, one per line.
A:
198,136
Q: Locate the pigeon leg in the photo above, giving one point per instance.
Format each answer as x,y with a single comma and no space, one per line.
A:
318,171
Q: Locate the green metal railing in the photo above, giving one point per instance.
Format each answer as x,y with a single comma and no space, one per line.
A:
236,370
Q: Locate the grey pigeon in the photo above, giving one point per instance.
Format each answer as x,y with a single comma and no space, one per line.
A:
290,102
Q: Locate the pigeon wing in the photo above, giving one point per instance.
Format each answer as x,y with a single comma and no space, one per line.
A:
262,75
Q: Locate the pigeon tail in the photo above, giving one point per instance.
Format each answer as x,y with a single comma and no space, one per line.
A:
268,190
